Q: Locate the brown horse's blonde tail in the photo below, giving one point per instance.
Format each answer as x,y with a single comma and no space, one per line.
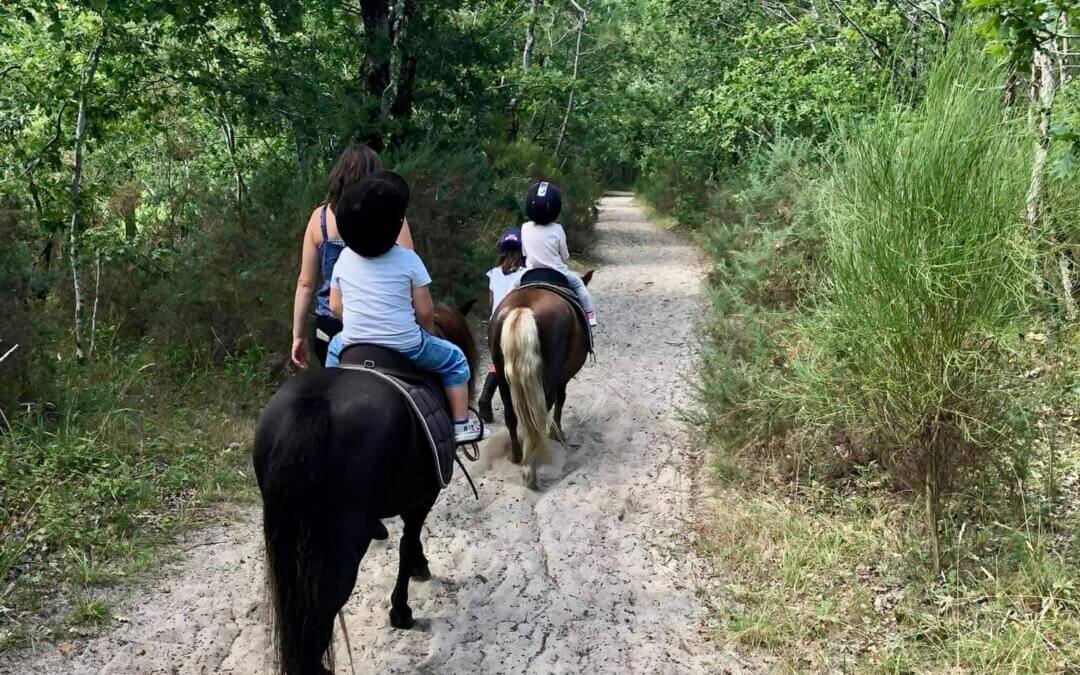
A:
523,369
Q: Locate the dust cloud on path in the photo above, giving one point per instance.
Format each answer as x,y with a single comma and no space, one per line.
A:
593,573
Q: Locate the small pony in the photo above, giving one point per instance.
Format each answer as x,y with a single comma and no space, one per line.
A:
335,451
537,344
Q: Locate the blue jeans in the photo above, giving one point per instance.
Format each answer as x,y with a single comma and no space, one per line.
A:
333,351
582,291
435,354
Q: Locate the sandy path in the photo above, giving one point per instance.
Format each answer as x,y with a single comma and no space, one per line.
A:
593,573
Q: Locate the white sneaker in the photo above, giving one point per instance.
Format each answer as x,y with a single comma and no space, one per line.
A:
591,316
468,431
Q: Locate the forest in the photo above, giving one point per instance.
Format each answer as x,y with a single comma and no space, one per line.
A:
886,193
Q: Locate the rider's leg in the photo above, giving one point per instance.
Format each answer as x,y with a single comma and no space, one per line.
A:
325,328
583,294
447,359
333,351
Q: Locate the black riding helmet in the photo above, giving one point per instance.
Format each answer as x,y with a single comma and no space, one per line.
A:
543,203
370,214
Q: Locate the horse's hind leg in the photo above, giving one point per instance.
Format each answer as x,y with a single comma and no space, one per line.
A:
557,430
410,563
511,421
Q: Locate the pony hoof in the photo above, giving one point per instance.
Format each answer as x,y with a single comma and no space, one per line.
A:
402,620
421,572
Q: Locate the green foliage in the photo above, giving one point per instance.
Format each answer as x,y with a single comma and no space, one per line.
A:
759,227
859,296
1014,29
929,272
762,72
127,454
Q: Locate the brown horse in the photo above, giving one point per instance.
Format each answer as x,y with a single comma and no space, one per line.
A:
537,345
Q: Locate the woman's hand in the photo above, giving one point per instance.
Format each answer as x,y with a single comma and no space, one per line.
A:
299,352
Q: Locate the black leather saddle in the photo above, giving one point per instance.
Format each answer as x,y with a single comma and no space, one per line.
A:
545,275
426,392
555,281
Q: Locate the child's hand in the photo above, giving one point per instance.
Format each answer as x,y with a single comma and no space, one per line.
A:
299,352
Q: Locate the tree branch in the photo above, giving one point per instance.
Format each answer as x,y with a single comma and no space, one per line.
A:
48,146
867,38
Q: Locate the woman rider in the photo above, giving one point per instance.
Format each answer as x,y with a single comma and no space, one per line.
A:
321,248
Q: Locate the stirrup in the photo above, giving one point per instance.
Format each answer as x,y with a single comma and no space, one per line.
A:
475,453
471,450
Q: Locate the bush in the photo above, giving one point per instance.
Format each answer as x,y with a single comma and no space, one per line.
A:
23,326
227,286
929,270
758,227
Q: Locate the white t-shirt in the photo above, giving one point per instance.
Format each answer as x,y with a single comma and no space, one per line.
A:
501,284
544,246
376,297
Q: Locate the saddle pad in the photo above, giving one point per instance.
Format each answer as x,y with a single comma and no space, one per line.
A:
571,297
432,405
428,402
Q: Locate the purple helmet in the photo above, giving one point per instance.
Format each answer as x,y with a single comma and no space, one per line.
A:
510,239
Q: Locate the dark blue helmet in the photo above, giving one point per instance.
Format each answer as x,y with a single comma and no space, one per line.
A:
543,203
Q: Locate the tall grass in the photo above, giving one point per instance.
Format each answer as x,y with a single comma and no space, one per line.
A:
927,280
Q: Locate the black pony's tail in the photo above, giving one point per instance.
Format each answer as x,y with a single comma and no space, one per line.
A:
293,455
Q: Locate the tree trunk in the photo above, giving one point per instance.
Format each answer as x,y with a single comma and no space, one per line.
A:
228,133
397,27
398,101
526,64
401,109
76,185
130,231
378,44
97,296
573,82
1043,91
530,36
1042,95
1065,260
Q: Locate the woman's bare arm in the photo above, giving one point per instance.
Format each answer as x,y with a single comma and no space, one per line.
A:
404,239
306,283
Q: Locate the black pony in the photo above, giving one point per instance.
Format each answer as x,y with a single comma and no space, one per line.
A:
335,451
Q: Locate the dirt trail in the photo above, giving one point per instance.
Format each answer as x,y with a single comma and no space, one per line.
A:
593,573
